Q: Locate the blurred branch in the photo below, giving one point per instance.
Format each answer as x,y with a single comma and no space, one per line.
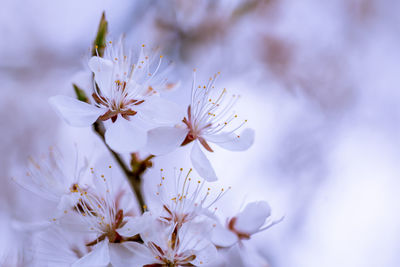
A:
247,7
216,24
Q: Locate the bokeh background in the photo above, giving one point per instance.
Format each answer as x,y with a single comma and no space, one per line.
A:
319,82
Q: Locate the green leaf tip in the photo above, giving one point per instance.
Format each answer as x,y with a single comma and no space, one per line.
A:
80,94
99,43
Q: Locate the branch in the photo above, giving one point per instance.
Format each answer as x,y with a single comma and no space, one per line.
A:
133,174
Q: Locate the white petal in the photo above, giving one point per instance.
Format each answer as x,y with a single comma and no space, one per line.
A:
135,225
124,136
195,235
252,218
233,256
141,254
251,257
222,237
202,164
66,203
121,255
205,256
161,111
30,226
157,232
103,72
99,256
163,140
75,112
232,141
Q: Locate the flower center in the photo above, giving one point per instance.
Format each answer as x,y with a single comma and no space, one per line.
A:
171,256
195,132
175,217
110,230
120,102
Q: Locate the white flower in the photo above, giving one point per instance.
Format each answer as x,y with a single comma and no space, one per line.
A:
125,95
184,199
53,180
112,226
209,119
255,217
170,245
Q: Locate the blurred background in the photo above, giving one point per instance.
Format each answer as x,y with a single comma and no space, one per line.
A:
319,83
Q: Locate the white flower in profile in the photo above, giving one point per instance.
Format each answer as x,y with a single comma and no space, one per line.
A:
125,94
209,119
182,199
255,218
50,178
169,245
112,225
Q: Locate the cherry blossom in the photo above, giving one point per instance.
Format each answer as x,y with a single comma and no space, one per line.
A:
52,179
113,226
209,119
183,198
255,218
126,96
170,245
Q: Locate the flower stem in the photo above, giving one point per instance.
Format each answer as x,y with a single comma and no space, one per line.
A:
133,174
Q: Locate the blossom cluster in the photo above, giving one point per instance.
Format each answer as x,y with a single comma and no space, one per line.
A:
97,219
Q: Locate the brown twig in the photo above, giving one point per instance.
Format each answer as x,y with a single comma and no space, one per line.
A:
133,174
